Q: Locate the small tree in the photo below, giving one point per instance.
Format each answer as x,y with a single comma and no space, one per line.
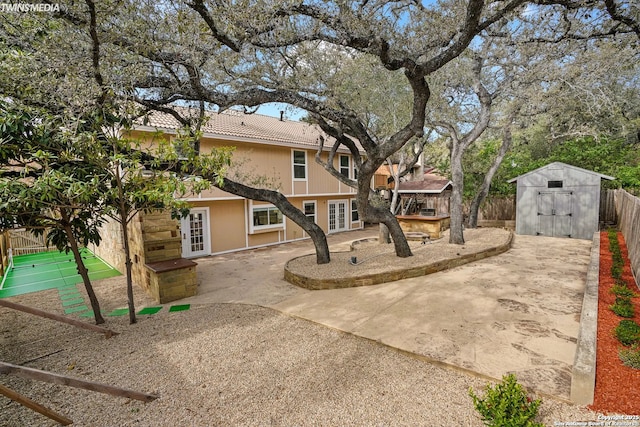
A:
45,183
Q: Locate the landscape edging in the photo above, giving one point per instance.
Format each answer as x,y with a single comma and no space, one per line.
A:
583,374
391,276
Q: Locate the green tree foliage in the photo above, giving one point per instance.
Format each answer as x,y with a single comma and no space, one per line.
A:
45,184
614,157
202,52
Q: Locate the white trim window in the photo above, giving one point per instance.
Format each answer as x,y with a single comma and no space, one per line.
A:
299,162
345,165
265,217
310,209
355,216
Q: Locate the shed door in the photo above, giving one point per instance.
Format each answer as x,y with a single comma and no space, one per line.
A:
555,211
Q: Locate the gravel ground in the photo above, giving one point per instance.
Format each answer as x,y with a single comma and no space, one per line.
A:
230,365
375,258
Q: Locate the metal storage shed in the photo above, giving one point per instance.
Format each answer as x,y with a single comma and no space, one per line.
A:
558,200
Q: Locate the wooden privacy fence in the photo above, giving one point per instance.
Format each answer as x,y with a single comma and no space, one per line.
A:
627,209
496,209
24,242
608,207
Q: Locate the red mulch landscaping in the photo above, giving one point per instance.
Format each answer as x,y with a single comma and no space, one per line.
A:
617,386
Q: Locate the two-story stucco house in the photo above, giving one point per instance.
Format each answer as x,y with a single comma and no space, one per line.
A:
283,152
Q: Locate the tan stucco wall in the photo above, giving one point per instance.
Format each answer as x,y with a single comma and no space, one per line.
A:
226,224
271,161
229,215
266,238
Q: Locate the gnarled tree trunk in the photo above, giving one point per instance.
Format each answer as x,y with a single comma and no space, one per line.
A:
313,230
456,233
472,221
383,215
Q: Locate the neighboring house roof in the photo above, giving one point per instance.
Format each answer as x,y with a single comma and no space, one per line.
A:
427,186
384,170
433,176
562,165
257,128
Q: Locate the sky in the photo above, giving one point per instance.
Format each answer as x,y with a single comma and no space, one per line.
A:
273,109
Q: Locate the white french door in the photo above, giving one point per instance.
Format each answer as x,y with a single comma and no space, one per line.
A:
195,233
338,215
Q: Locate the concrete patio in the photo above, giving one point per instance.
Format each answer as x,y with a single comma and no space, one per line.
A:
516,312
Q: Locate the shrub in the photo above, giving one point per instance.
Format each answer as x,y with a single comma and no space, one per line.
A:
623,307
620,289
630,357
506,405
628,332
616,271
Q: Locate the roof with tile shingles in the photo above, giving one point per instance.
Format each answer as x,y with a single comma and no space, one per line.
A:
233,124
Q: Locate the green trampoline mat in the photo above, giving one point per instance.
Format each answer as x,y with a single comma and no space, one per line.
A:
119,312
50,270
179,307
150,310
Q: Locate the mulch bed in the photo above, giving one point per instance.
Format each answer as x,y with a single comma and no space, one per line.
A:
617,386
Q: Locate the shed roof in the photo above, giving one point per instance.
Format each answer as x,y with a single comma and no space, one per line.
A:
237,125
426,186
563,165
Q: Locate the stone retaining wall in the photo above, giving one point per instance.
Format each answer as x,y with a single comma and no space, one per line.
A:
154,237
583,374
391,276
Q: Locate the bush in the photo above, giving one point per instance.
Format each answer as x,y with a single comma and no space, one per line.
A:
628,332
620,289
623,307
616,254
616,271
506,405
630,357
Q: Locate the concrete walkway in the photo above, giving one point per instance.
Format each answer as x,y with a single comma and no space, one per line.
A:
516,312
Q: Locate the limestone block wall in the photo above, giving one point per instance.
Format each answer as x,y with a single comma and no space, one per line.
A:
154,237
110,248
156,250
172,280
433,226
